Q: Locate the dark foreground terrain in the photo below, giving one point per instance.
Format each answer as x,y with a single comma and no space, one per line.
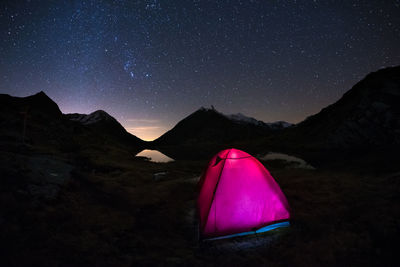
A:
110,210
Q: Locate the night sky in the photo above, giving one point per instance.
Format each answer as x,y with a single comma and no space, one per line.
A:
151,63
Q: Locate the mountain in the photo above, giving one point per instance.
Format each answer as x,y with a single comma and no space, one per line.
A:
38,103
37,121
208,126
240,118
93,118
101,122
32,119
366,116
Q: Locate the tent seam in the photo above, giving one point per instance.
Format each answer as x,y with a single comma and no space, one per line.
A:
215,190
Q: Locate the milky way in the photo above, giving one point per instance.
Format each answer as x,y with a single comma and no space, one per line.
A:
150,63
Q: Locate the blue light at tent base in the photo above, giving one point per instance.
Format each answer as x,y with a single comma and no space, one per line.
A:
261,230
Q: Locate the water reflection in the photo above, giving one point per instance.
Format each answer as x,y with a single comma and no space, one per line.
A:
154,156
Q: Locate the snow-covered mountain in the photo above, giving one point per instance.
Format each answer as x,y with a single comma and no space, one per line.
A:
243,119
280,124
239,117
94,117
103,123
207,125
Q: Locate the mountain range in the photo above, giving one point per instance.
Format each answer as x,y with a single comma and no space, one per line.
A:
240,118
36,121
367,115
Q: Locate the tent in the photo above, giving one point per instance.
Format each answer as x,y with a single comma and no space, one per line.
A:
238,196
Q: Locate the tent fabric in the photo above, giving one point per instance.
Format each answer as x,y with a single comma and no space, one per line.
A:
238,194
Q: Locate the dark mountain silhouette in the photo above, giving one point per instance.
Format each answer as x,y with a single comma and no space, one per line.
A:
101,122
208,126
38,103
32,119
37,120
368,115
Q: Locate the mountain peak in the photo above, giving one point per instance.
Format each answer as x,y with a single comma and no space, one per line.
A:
41,101
92,118
101,113
41,94
241,118
102,122
212,108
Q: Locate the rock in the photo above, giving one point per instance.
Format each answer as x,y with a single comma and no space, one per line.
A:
47,175
159,175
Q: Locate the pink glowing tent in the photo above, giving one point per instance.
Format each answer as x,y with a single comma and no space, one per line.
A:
238,196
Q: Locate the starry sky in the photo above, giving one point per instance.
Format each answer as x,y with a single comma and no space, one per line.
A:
150,63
